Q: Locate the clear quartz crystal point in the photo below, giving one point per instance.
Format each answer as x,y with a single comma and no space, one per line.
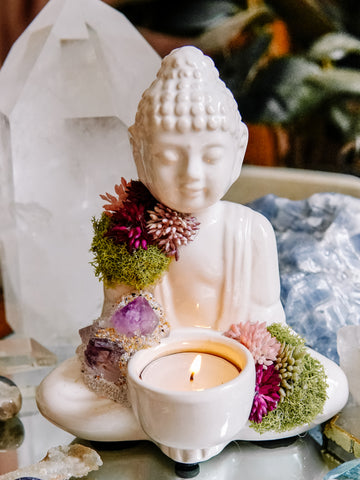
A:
21,354
69,89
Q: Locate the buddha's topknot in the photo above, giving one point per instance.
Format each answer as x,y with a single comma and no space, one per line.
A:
187,95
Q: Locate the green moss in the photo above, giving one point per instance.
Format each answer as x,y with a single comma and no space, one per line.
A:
305,402
114,264
284,333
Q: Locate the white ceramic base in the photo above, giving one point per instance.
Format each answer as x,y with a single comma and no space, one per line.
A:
65,401
191,455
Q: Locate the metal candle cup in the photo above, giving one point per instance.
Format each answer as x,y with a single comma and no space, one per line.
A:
193,425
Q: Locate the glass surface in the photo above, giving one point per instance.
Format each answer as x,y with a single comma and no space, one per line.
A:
31,435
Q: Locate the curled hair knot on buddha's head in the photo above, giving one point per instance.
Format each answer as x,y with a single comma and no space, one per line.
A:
187,95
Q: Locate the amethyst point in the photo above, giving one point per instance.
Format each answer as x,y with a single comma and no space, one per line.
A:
136,318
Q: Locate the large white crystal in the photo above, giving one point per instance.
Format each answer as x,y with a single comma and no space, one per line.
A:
348,343
68,91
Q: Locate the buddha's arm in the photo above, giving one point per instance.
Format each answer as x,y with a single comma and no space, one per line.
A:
265,288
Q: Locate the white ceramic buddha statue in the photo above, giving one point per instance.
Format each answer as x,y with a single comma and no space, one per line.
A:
189,143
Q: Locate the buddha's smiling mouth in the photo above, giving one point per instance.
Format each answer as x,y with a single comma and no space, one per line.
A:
191,190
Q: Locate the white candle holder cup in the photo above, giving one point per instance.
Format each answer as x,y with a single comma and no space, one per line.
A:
193,426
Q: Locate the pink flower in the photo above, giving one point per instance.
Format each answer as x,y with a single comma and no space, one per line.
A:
138,220
171,229
115,203
266,392
255,336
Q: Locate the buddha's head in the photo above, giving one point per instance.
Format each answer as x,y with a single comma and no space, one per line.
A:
188,138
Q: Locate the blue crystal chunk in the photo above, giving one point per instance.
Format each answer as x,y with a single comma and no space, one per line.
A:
348,470
318,244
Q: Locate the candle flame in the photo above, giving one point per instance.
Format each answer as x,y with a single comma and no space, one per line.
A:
195,367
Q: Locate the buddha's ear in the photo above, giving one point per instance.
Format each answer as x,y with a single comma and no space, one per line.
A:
136,147
240,153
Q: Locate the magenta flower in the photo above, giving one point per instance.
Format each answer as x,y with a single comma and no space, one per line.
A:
138,220
129,226
139,194
266,392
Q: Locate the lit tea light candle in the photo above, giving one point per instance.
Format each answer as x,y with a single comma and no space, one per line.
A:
192,411
189,371
195,367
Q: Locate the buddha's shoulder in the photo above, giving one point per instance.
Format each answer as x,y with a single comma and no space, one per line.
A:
241,211
236,212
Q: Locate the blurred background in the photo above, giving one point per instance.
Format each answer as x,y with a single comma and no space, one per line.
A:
292,65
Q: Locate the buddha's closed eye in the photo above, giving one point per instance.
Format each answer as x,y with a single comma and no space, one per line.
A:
213,154
169,155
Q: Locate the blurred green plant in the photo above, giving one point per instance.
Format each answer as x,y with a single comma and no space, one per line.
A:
321,84
310,87
295,86
313,91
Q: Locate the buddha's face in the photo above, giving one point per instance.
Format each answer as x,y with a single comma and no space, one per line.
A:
189,172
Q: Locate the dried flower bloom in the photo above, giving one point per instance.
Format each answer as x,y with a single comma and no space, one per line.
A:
289,365
139,194
129,226
255,336
116,203
266,392
170,229
138,220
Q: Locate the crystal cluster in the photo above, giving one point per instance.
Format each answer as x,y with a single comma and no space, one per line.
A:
61,463
136,322
319,258
136,318
69,90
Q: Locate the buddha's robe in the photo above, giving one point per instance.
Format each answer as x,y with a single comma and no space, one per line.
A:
228,274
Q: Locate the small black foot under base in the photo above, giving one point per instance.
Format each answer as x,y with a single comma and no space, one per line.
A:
187,470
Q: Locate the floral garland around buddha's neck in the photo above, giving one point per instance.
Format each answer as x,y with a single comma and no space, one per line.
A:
290,386
136,237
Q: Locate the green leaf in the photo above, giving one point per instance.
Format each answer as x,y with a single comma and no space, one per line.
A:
235,69
345,116
280,93
336,81
334,47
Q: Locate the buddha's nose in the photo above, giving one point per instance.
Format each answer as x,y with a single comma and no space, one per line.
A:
193,167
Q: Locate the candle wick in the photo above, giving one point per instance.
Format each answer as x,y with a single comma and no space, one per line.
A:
192,376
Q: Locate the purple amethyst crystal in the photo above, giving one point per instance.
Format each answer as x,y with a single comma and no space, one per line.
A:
136,318
103,356
86,333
